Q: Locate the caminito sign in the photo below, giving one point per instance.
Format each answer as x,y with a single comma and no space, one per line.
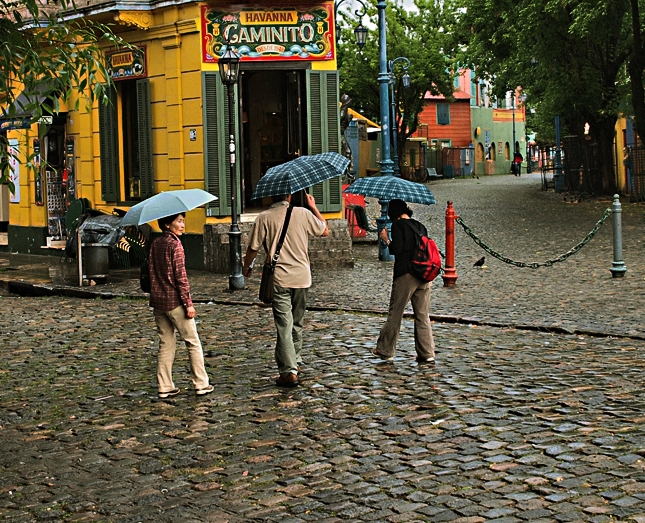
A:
279,33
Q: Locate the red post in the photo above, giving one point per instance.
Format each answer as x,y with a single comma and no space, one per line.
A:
450,272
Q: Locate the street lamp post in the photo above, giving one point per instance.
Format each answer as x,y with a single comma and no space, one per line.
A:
360,31
229,68
406,84
383,221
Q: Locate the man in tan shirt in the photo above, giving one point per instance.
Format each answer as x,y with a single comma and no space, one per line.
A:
292,276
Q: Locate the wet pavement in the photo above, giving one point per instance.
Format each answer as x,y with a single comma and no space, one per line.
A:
512,215
508,426
514,422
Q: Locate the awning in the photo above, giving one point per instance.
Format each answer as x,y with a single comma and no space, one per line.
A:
22,118
371,126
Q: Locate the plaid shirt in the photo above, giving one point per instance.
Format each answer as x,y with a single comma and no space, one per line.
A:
169,283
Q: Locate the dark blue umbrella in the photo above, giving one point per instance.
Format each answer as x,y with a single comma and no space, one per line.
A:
303,172
391,187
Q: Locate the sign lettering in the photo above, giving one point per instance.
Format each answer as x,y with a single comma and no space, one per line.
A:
293,34
127,65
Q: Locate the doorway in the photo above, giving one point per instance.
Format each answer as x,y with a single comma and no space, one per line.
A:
53,162
273,122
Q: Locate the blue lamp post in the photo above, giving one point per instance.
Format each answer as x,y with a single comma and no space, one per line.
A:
360,32
383,221
406,84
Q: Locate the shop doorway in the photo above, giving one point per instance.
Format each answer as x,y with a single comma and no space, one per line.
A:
52,162
273,122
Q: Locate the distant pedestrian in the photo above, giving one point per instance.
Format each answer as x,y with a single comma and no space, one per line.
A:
405,287
173,308
517,163
292,275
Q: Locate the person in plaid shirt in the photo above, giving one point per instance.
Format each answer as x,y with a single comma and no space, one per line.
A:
173,308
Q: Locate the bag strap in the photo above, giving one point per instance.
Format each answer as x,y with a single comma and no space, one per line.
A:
283,234
417,234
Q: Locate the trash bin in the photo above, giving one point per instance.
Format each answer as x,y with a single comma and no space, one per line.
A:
96,260
99,235
448,171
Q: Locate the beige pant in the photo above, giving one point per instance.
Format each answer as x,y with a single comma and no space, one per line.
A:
404,289
167,322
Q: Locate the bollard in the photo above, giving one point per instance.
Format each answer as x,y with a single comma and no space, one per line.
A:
618,268
450,272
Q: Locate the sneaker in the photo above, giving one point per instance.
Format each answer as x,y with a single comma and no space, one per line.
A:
205,390
172,392
425,360
386,358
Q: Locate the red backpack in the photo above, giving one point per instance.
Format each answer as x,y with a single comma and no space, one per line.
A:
425,263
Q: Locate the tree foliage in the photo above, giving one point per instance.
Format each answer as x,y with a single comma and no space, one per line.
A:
48,54
420,36
569,57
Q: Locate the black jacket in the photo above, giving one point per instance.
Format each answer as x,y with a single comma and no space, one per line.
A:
404,243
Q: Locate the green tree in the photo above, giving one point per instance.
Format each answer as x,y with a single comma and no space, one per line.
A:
420,36
47,53
567,55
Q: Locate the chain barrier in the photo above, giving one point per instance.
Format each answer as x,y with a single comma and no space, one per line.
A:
535,265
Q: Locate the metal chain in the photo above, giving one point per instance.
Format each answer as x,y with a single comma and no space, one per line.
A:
535,265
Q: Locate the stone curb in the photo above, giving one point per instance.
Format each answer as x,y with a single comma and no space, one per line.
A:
25,288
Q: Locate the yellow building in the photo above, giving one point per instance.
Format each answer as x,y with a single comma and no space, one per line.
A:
167,124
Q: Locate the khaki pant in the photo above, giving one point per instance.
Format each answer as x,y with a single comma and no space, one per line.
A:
289,306
167,322
404,289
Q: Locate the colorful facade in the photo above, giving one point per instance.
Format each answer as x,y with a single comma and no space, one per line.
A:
472,121
166,126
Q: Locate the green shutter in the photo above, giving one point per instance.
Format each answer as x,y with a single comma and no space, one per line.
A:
109,147
216,146
323,132
146,174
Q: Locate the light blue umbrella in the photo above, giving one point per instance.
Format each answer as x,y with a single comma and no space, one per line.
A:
303,172
166,204
391,187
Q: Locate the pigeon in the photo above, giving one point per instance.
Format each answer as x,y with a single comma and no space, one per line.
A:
479,262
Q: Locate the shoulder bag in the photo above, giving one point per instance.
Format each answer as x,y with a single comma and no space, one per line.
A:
268,269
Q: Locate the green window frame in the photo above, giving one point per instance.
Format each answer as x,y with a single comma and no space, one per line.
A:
111,175
443,114
323,132
109,146
216,145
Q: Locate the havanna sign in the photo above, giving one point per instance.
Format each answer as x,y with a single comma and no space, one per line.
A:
292,33
127,64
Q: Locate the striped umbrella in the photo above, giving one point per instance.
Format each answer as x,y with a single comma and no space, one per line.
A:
391,187
303,172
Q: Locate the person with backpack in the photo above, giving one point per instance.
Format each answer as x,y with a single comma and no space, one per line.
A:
516,167
408,285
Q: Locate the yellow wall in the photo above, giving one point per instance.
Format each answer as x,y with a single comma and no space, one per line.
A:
174,70
173,53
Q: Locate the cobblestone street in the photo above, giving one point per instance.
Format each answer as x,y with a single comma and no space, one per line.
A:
508,426
525,416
